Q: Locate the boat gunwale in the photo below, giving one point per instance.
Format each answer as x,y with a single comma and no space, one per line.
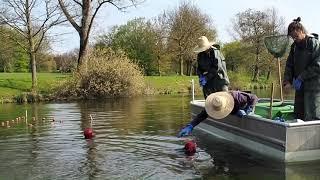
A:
286,124
249,134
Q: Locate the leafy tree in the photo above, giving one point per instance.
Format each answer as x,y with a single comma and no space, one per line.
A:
137,39
12,56
236,55
21,63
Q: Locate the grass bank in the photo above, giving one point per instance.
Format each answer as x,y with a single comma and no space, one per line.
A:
171,84
12,85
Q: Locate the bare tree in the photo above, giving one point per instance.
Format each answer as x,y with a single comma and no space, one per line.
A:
83,22
66,62
250,26
276,23
276,26
159,27
31,19
186,24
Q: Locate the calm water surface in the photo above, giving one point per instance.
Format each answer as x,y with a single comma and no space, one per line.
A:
135,139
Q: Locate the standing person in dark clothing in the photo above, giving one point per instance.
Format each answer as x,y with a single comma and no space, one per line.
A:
212,73
302,71
211,68
220,104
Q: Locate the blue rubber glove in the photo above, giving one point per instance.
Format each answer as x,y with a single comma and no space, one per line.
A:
202,80
241,113
248,109
186,130
279,119
297,83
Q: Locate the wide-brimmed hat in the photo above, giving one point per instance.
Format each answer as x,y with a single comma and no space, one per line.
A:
203,44
219,105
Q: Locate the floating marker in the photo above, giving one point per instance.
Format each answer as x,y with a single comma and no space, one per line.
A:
88,132
190,148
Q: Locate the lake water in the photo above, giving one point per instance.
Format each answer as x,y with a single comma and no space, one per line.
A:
135,139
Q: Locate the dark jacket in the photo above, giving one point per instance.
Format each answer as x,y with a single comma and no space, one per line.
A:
213,67
242,100
304,61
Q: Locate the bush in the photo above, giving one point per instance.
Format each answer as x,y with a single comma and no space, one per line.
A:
107,74
28,97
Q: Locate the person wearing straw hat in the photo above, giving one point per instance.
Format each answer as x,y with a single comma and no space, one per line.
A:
212,74
302,71
219,105
211,67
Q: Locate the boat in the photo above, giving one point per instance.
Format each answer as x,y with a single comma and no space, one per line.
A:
276,135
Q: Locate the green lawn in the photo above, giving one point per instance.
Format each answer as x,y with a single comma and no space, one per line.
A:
12,84
172,84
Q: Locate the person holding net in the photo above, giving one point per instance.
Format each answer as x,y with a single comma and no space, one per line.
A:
302,72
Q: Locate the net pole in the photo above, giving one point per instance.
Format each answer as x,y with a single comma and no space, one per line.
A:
280,79
271,101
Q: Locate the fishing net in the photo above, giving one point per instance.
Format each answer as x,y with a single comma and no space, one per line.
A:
277,45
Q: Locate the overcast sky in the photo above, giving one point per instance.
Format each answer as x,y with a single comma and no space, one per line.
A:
221,13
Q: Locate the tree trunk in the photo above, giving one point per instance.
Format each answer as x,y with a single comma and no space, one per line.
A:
83,51
33,71
269,72
159,69
181,65
84,32
256,73
31,48
256,66
189,68
32,56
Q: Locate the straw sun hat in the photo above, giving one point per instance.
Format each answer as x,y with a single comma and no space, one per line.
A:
219,105
203,44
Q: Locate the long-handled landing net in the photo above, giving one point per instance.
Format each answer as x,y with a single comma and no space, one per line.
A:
277,46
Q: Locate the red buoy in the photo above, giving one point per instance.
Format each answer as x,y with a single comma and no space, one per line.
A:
190,148
88,133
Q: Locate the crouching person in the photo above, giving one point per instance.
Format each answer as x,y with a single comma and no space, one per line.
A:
218,105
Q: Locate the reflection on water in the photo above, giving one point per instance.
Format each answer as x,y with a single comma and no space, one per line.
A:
266,93
135,139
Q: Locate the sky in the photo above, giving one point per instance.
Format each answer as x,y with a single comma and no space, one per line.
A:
221,12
